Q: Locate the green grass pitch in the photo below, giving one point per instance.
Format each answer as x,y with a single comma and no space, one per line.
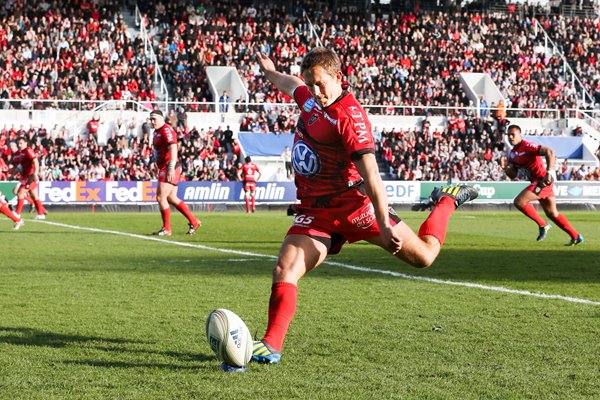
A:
97,315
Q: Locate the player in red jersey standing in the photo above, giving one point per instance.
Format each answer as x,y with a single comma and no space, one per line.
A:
342,197
249,174
26,161
169,171
7,211
528,156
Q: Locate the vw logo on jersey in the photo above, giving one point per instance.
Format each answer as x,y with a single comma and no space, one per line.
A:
304,159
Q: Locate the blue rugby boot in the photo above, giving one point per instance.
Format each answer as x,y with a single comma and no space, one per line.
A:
543,232
460,193
575,242
264,354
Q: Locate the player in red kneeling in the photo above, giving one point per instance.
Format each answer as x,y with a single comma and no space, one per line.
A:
26,161
7,211
342,197
169,171
529,155
249,173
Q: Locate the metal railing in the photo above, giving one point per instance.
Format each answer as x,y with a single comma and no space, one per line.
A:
149,49
570,75
77,105
245,107
312,28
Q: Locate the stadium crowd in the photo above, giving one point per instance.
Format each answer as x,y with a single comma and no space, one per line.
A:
469,148
205,155
80,49
410,59
67,50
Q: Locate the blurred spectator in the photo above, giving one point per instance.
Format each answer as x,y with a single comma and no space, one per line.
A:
224,101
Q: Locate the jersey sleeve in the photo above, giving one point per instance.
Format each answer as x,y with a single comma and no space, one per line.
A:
531,148
356,134
303,98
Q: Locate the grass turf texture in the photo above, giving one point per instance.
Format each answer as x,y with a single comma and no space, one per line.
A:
94,315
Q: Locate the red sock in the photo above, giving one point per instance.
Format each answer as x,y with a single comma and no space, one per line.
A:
166,217
247,204
39,207
282,307
183,208
531,213
253,203
564,224
20,204
436,224
6,211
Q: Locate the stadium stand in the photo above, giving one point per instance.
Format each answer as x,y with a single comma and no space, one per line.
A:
429,128
424,53
70,50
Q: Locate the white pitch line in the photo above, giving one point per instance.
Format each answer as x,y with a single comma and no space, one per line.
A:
341,265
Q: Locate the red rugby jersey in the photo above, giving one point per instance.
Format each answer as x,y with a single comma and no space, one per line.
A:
249,171
163,137
325,143
25,158
525,155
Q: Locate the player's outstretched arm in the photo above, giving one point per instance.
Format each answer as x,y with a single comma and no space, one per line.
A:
367,167
284,82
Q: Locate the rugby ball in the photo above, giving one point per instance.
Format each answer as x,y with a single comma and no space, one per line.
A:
229,338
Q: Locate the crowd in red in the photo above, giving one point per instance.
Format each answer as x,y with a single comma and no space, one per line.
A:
81,50
402,58
73,49
210,154
470,148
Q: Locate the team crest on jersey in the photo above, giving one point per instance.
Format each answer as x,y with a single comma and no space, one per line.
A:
312,119
308,104
305,160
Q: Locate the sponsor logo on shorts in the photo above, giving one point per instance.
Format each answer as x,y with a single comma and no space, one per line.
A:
305,160
303,220
365,218
308,104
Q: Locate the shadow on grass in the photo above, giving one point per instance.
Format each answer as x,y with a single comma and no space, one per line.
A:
127,364
33,337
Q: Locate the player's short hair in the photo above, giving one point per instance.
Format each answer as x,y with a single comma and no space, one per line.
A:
23,138
513,126
323,57
247,159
